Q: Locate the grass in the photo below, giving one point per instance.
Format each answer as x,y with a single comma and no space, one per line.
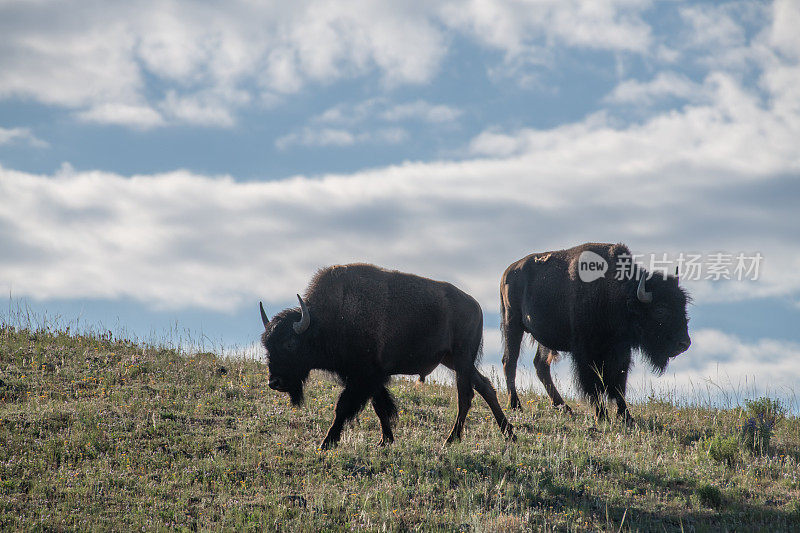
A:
102,433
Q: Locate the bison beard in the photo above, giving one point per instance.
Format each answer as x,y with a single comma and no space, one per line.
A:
365,324
599,322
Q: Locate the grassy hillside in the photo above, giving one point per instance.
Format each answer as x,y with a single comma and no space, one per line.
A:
97,432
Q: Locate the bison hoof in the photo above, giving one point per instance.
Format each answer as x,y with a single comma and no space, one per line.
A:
513,403
508,430
564,408
385,442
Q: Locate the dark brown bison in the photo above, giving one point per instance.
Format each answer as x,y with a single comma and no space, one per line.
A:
365,324
598,321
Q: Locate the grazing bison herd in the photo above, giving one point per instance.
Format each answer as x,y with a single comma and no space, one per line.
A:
365,324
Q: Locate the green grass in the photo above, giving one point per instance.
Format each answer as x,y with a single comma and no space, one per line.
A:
98,433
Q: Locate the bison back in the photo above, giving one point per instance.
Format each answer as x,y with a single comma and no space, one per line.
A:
402,322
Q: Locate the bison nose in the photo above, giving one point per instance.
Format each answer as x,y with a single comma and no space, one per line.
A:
684,345
274,383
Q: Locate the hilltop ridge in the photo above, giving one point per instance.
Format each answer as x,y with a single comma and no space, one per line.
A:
100,432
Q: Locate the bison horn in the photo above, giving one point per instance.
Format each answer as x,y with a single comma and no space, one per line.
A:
264,318
642,294
305,318
677,278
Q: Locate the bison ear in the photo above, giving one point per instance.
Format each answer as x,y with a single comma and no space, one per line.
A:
264,318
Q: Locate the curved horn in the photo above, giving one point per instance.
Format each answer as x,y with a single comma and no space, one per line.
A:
264,318
677,279
642,294
305,318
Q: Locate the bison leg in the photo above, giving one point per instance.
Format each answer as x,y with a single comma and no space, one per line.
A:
512,337
384,407
616,392
541,361
622,407
484,387
465,394
351,401
590,376
617,363
597,401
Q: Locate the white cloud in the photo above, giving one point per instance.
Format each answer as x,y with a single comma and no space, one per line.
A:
665,84
716,36
383,110
205,109
321,137
421,110
349,114
138,116
781,77
713,26
518,28
20,135
783,31
66,56
368,122
311,136
495,143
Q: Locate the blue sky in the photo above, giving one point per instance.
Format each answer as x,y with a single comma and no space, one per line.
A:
176,162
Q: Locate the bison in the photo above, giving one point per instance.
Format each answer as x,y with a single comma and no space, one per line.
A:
365,324
599,319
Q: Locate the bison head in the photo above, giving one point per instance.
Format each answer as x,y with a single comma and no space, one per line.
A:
659,308
285,339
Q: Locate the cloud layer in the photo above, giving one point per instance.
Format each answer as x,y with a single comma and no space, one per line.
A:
718,176
147,63
20,136
374,121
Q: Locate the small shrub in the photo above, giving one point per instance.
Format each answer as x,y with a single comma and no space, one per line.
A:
794,509
724,449
709,495
761,417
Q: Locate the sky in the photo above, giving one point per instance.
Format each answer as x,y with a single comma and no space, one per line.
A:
165,165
